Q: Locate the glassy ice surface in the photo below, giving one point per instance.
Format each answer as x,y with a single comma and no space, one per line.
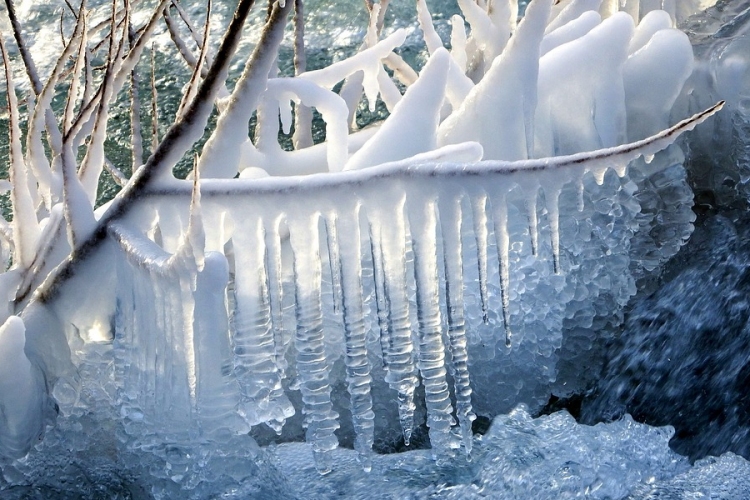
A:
398,311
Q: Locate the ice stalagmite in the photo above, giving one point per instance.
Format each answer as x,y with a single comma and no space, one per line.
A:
423,224
389,233
312,366
358,375
254,345
653,77
570,31
581,99
451,225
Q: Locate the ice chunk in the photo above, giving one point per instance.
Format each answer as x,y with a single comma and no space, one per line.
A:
23,395
499,111
654,76
418,111
579,108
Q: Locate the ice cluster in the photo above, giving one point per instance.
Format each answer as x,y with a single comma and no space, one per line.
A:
467,254
468,280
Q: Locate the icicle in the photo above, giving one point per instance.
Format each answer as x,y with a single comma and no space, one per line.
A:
423,224
451,221
479,215
500,216
273,265
357,365
552,189
312,367
376,253
531,191
218,392
581,191
389,233
254,346
334,261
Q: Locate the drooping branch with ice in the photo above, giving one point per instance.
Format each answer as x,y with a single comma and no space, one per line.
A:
474,235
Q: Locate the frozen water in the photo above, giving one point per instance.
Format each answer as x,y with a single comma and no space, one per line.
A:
372,307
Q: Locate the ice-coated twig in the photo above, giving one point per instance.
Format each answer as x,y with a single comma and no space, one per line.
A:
124,67
186,53
181,135
120,178
616,158
303,115
136,133
93,161
25,228
221,154
154,104
36,155
179,43
192,86
186,19
80,64
28,61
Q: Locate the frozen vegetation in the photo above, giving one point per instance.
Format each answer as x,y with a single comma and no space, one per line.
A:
371,290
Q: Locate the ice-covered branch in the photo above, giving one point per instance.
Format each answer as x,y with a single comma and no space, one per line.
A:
221,154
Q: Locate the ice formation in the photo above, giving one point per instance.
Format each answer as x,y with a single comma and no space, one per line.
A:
466,247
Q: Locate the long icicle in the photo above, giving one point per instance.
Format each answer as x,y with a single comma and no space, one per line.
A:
500,217
312,366
390,234
479,216
357,365
423,224
451,219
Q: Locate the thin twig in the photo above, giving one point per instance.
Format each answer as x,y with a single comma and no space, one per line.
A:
196,76
303,115
154,105
135,112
